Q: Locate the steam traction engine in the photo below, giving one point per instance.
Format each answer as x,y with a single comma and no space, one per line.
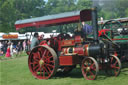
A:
116,31
64,53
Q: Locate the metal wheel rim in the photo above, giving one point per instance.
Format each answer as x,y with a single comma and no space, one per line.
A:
115,65
46,68
91,64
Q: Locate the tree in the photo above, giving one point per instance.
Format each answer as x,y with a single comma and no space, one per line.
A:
7,16
12,10
84,4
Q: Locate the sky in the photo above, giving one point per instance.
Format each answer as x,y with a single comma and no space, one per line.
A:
46,0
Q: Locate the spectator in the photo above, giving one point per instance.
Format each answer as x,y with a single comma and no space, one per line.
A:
19,48
1,52
5,45
8,51
41,37
1,45
24,45
11,49
14,51
34,41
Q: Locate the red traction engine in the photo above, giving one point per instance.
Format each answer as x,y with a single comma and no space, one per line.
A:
91,54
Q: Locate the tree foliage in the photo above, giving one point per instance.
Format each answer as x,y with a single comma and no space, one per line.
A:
12,10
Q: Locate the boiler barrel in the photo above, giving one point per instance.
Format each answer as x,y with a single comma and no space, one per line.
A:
94,50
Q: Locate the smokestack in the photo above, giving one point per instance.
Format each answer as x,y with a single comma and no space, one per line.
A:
95,24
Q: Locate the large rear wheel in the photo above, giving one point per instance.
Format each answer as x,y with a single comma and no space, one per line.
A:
43,62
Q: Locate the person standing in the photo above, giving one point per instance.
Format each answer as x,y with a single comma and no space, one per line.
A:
24,45
5,45
11,49
34,41
1,45
19,48
8,51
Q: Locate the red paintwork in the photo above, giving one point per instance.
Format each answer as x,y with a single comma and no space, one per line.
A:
78,39
103,31
68,60
43,43
67,43
79,50
86,53
59,44
49,22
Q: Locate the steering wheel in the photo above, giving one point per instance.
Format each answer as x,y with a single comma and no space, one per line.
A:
63,36
114,26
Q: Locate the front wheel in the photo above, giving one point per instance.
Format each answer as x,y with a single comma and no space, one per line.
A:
89,68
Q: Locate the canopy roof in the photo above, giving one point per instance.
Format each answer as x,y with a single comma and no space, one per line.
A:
56,19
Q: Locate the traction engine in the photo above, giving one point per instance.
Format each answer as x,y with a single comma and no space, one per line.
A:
63,54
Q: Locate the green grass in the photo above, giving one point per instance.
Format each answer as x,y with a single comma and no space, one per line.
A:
15,72
14,56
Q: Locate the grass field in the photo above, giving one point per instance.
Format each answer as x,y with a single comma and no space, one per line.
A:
15,72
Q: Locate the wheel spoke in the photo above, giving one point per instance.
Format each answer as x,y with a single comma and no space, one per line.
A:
37,66
35,55
46,70
113,66
48,61
43,73
35,59
92,65
37,69
47,53
39,55
84,67
40,72
50,57
115,62
91,75
49,69
52,66
52,61
111,59
33,63
93,68
44,52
